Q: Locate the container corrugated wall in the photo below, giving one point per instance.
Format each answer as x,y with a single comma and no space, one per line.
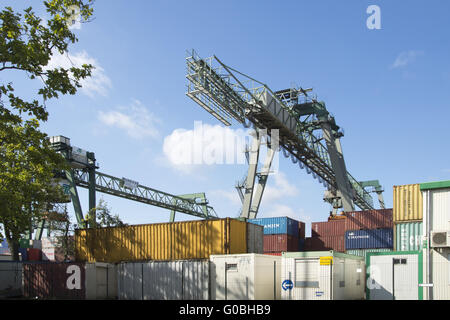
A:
54,280
369,239
328,228
280,242
408,236
407,203
278,225
336,243
164,280
369,219
162,241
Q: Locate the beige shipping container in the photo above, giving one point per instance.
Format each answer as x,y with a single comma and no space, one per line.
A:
407,203
166,241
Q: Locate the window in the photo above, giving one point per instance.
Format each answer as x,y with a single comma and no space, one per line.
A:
307,273
231,266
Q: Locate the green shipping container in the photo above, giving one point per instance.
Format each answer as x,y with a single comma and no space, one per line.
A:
408,236
363,252
25,243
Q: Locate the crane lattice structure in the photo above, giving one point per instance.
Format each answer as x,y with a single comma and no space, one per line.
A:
307,132
83,173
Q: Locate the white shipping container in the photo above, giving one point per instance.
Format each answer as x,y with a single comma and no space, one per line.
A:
394,276
322,275
436,213
163,280
101,281
245,277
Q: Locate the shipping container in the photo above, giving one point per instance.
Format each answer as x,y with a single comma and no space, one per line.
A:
164,280
10,279
328,228
4,248
408,236
274,253
278,225
363,252
336,243
322,275
34,254
301,230
25,243
369,239
255,241
245,277
369,219
280,242
407,203
436,229
23,254
74,281
394,275
301,244
164,241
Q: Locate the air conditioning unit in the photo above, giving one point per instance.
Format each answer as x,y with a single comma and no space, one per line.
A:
440,239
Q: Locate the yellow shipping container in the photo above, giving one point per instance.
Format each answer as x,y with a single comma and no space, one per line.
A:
407,203
162,241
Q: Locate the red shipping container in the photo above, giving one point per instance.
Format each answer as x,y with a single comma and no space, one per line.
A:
34,254
336,243
328,228
54,280
301,230
273,253
280,243
369,219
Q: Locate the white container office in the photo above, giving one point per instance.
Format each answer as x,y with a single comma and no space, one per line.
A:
322,275
396,275
245,277
163,280
436,230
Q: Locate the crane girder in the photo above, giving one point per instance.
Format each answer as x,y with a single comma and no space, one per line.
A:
211,82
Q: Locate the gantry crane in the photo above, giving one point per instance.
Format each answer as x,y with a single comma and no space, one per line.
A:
83,173
290,119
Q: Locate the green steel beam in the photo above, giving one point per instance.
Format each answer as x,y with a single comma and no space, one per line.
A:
193,196
115,186
71,177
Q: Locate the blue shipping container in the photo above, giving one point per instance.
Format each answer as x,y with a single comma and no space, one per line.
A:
369,239
4,249
278,225
24,254
301,244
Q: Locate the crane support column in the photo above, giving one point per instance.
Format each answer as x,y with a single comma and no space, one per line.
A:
74,196
344,190
251,176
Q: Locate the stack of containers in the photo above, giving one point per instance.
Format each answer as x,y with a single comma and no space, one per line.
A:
328,235
281,234
408,218
368,231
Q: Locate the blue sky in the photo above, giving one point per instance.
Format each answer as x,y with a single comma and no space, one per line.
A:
389,89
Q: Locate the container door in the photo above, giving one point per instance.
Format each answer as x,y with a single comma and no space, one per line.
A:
237,286
405,277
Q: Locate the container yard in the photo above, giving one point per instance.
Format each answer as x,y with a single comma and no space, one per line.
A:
134,173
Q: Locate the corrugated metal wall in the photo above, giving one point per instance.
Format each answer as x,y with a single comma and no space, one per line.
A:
278,225
280,242
364,252
164,280
408,236
369,219
162,241
369,239
328,228
10,279
407,203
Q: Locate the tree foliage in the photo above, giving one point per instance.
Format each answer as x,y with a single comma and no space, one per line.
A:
101,216
27,163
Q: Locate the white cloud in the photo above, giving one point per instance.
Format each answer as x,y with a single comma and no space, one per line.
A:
204,145
97,84
135,120
230,195
405,58
278,187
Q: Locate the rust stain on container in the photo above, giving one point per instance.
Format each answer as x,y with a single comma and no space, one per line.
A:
407,203
54,280
162,241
